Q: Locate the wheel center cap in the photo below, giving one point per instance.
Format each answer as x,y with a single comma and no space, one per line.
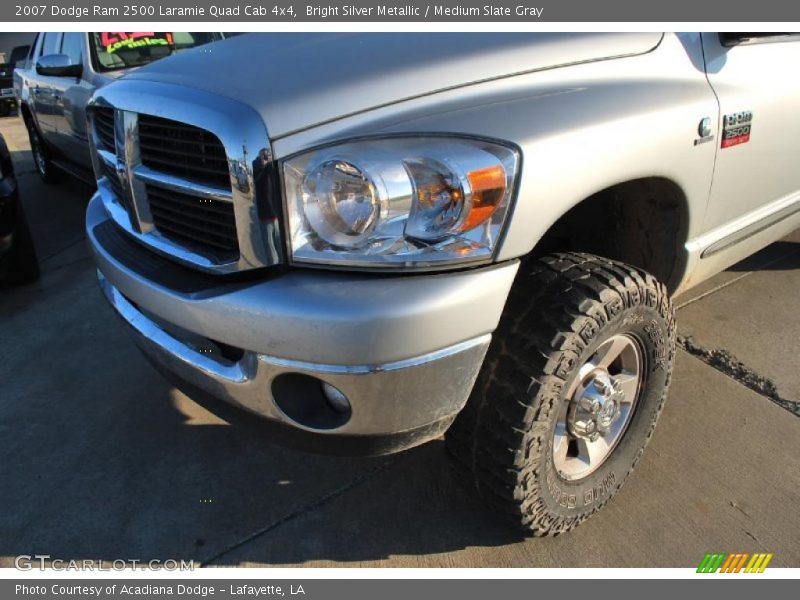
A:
595,407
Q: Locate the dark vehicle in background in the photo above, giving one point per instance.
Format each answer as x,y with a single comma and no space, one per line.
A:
18,262
19,56
8,100
64,70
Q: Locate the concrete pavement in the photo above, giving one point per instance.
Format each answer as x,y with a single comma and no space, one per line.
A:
100,458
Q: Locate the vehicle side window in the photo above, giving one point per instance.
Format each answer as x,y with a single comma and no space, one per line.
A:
72,46
49,43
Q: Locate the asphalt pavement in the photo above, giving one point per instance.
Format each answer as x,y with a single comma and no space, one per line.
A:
100,458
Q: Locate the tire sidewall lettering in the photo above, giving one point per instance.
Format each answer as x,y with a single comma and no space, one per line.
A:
642,319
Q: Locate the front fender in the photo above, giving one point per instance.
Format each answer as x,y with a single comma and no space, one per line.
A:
581,128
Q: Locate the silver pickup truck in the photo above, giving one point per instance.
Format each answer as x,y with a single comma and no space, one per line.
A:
62,71
374,240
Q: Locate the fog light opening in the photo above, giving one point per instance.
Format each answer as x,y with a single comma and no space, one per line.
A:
310,402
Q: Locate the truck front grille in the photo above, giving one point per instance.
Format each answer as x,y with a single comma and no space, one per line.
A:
104,126
195,222
185,178
194,159
184,151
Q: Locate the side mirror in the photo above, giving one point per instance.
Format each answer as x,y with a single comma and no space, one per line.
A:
58,65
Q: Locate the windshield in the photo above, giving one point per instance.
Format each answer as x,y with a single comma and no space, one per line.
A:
113,50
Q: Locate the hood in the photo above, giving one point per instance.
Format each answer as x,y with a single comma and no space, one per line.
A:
297,81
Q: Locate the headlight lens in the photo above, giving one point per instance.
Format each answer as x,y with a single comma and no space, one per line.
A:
345,207
400,202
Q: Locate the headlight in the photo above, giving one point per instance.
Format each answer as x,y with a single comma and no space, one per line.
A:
400,202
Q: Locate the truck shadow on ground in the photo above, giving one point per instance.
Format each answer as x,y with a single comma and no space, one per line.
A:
100,458
783,255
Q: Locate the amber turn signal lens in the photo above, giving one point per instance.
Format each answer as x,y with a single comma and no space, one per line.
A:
488,188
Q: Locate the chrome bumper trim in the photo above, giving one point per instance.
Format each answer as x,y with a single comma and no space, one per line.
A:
416,361
386,399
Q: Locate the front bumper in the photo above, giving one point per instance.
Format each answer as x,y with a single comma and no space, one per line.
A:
405,351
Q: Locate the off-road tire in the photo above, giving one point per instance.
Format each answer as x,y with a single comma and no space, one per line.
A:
560,309
42,161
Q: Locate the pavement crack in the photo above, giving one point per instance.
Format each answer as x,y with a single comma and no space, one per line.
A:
70,263
725,362
64,249
713,290
755,539
740,509
305,509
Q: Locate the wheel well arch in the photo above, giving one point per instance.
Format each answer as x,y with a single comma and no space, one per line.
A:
27,116
643,222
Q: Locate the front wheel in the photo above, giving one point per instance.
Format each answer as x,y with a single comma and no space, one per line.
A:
570,391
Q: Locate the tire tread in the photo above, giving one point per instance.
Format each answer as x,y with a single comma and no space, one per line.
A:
556,305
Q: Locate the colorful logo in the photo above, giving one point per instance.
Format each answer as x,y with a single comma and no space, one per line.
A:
734,563
113,41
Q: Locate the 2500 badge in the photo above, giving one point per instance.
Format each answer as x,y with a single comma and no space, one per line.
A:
736,128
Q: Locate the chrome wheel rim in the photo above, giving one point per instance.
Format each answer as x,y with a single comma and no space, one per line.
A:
598,407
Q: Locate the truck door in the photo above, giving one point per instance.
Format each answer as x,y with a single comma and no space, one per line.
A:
70,96
757,171
41,88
